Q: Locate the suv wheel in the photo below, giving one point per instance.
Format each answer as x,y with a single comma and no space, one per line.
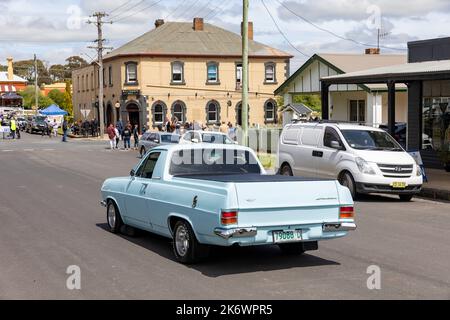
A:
347,180
286,170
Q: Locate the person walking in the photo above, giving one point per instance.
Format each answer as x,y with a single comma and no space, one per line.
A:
136,136
117,132
64,128
13,128
55,128
111,131
127,136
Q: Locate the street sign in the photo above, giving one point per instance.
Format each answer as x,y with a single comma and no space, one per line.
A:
5,129
85,112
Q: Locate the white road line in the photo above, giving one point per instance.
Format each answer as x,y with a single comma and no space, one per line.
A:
28,150
7,150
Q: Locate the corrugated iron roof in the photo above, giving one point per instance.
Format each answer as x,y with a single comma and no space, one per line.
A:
4,78
179,38
357,62
441,66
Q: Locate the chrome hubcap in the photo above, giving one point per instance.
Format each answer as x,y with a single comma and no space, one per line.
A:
111,216
182,240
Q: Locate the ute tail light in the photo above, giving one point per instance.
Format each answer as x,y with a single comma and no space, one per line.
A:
229,217
346,213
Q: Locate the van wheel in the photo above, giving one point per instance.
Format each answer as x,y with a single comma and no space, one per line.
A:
186,248
405,197
347,180
286,170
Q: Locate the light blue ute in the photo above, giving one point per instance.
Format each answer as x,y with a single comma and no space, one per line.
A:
207,195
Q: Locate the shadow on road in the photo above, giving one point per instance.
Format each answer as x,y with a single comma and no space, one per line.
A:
230,260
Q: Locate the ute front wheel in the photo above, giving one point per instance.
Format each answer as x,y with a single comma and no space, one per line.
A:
113,217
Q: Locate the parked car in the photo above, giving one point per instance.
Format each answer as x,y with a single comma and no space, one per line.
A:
150,140
206,137
364,159
400,135
37,124
205,195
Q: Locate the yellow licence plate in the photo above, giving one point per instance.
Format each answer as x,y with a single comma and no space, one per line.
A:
399,185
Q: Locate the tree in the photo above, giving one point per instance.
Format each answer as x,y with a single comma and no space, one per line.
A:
312,101
68,106
25,69
57,72
72,63
28,95
57,96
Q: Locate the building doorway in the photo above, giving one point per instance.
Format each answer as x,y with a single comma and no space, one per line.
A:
239,114
133,114
109,114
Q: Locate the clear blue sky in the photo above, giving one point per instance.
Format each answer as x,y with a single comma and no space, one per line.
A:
56,29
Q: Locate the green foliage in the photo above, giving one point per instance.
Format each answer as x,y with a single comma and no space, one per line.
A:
67,105
29,98
57,72
57,96
312,101
25,69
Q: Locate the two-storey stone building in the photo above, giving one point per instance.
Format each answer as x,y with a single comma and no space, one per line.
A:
189,70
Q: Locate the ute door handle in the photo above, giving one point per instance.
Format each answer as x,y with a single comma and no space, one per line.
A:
144,188
318,154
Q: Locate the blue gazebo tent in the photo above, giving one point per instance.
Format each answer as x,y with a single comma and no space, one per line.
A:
53,110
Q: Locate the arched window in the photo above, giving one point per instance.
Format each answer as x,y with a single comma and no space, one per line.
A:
213,112
270,111
159,111
179,110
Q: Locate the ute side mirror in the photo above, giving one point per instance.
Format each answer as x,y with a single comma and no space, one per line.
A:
132,173
336,145
195,140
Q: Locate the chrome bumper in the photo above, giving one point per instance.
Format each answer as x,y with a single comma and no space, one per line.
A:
103,203
339,226
235,233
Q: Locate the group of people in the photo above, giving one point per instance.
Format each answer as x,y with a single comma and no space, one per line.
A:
86,128
124,133
14,130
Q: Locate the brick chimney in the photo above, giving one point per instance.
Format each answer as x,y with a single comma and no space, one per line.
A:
250,30
10,69
373,51
159,23
198,24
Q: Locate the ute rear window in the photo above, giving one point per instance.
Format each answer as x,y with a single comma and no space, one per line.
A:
213,161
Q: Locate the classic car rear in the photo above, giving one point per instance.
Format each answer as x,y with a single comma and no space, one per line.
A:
216,195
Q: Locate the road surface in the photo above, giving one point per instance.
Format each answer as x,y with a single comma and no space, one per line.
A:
51,219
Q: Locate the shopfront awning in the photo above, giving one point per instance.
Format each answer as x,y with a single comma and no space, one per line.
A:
7,88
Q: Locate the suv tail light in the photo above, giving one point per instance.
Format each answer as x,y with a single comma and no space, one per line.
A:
229,217
346,213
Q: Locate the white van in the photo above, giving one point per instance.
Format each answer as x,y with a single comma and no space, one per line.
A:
364,159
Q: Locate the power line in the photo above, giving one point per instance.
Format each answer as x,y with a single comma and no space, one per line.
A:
140,10
127,10
197,14
121,6
281,32
174,10
333,33
222,7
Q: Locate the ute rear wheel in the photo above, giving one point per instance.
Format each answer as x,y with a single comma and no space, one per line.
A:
186,248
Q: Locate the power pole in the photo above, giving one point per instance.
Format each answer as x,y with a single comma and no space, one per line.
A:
36,89
99,23
245,72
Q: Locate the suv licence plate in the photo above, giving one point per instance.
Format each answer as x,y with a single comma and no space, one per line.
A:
287,236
